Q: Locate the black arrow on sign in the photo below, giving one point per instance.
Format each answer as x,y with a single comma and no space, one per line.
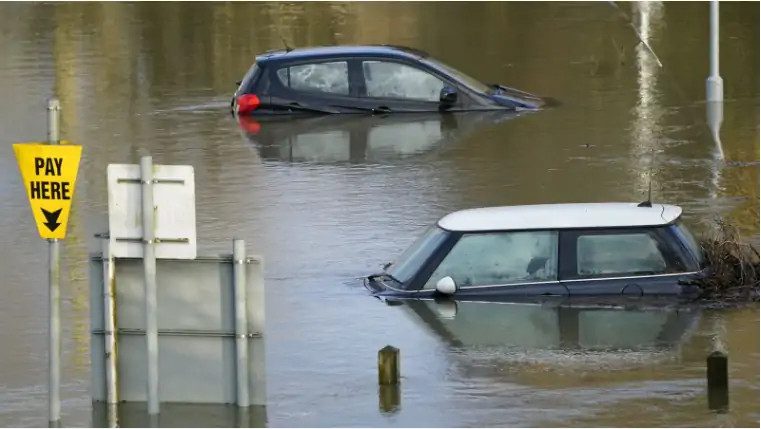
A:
52,219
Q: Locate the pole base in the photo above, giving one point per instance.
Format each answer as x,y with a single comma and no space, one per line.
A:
714,89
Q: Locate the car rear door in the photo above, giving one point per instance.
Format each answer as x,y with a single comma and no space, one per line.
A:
313,86
623,261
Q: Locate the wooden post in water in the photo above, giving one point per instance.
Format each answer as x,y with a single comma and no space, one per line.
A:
388,366
389,399
717,373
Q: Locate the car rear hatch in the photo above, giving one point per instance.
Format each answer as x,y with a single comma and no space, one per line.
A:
244,99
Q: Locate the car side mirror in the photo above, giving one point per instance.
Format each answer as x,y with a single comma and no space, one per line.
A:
446,286
447,97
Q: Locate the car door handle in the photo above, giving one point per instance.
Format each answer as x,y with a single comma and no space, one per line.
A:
381,109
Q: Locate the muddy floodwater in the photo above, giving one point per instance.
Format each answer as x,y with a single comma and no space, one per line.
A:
331,199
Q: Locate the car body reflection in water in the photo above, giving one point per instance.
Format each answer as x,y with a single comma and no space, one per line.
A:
555,334
361,139
565,359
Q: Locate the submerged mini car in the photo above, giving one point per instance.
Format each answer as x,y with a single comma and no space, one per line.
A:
563,250
366,79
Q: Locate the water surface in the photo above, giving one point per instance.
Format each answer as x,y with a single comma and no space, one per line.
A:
325,202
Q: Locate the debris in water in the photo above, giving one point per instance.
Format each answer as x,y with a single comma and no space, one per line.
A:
734,267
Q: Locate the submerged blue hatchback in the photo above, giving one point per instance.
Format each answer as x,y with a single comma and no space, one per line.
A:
366,79
560,250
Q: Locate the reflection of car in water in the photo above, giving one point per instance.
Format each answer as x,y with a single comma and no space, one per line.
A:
365,79
558,325
342,138
564,351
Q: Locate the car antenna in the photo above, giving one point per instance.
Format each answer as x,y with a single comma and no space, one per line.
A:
287,48
282,39
649,202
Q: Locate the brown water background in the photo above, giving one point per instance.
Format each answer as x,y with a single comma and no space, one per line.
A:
325,204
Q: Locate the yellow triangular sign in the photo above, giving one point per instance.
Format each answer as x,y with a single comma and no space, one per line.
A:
49,173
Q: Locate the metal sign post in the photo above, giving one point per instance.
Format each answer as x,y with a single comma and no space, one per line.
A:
714,83
49,172
54,277
151,215
215,303
149,267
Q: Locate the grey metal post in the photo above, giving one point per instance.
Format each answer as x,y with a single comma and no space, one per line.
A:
109,320
241,321
714,28
149,265
243,418
714,83
54,277
257,368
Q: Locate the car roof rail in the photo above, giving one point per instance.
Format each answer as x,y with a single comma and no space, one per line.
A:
419,52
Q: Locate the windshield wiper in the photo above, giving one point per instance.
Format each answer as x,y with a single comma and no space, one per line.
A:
516,92
372,277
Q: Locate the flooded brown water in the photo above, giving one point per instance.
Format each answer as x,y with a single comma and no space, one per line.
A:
325,202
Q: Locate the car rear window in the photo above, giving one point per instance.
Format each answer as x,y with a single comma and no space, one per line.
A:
249,77
326,77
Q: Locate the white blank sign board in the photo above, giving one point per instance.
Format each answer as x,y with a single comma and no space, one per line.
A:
174,201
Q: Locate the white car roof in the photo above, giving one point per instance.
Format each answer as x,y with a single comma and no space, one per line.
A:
559,216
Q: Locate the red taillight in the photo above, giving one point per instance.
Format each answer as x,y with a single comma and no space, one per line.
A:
247,103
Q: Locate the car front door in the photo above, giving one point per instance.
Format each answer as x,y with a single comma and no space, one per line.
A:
630,261
393,86
511,263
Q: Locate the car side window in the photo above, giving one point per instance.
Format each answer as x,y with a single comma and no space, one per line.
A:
385,79
331,77
635,253
500,259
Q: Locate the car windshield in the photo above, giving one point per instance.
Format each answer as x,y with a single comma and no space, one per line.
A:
472,82
410,262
